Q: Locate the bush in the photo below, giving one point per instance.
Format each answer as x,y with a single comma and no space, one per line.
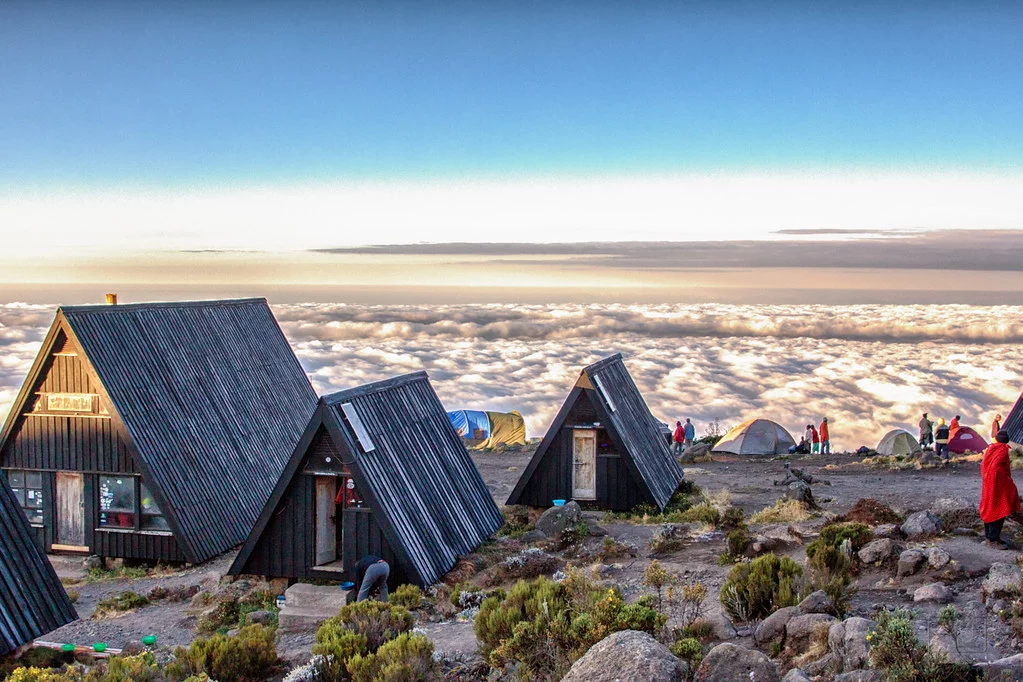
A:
139,668
406,658
761,587
34,674
223,615
248,657
517,521
689,650
125,601
858,534
895,650
407,596
702,513
782,511
337,645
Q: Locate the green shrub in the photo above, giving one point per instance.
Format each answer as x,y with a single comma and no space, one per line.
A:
406,658
379,621
516,521
337,645
138,668
895,650
858,534
222,616
702,513
248,657
761,587
733,517
34,674
699,629
689,650
831,571
407,596
125,601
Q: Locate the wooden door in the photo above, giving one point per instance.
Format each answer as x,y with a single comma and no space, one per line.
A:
326,523
70,511
584,464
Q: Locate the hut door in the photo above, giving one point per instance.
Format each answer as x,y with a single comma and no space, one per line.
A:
70,511
584,464
326,523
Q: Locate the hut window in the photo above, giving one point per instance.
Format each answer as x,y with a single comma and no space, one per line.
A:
117,502
152,517
28,491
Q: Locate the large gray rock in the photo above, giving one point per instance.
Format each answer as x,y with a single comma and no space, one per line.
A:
557,519
817,602
1009,669
888,530
920,524
910,561
800,628
797,490
938,558
955,512
795,675
825,666
1001,579
943,644
850,642
730,663
772,628
935,592
628,655
876,550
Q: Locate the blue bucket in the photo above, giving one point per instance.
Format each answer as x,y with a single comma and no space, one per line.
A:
558,503
347,585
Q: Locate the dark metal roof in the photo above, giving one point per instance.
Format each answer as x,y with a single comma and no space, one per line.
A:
1013,422
631,425
213,399
412,469
32,600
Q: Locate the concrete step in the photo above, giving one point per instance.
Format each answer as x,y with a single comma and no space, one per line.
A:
292,619
318,597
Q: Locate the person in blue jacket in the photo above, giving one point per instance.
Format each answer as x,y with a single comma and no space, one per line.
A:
690,433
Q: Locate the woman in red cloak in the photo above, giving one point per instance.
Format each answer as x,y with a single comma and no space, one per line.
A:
999,498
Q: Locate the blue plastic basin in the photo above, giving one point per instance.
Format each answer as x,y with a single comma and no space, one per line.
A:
347,585
558,503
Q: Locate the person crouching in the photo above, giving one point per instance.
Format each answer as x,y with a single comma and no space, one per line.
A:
999,497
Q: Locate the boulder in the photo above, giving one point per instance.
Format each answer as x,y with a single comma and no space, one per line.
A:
859,676
955,512
855,647
628,655
799,628
910,562
836,639
876,550
800,491
262,617
1009,669
888,530
557,519
817,602
825,666
1001,579
773,627
920,524
730,663
531,536
943,644
938,558
795,675
697,450
935,592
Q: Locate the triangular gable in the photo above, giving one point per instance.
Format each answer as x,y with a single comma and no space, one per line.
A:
641,451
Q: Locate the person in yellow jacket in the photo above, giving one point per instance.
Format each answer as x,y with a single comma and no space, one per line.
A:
941,441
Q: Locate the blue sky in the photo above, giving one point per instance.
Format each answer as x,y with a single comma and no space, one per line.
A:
224,94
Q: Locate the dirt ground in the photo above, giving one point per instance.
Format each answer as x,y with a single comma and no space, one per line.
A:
750,484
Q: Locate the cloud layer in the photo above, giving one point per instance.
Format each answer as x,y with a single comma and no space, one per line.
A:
868,368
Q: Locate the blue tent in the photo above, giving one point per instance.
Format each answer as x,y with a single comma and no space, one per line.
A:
470,422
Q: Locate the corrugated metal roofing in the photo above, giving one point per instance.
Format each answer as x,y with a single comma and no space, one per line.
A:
418,478
639,431
214,400
32,600
1013,423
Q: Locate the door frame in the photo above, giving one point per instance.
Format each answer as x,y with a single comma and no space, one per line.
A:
589,492
325,539
74,481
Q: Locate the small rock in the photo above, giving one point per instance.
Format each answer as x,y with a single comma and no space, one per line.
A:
859,676
920,524
628,655
1001,579
261,617
773,627
795,675
935,592
826,665
876,550
938,558
730,663
910,562
596,531
797,490
964,532
557,519
887,530
817,602
531,536
92,563
799,628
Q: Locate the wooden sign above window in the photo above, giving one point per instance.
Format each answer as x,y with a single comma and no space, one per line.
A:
69,402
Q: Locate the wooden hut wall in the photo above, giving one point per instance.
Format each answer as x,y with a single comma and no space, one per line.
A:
617,488
85,442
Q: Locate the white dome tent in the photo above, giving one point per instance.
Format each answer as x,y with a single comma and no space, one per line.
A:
898,442
756,437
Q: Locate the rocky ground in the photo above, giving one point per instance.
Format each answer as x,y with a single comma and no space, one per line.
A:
921,572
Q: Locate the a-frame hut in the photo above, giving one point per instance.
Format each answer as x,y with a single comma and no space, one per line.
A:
379,470
604,448
32,599
1013,422
155,431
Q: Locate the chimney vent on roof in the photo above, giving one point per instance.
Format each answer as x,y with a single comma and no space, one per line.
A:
111,299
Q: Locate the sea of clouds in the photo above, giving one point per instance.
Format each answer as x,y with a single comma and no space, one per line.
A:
867,368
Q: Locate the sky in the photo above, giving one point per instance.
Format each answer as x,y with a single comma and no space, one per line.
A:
141,135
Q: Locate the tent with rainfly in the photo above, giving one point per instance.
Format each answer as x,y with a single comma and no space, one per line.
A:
965,439
898,442
756,437
488,429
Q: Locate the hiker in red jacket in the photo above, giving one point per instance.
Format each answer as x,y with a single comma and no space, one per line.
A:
825,437
679,437
999,498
